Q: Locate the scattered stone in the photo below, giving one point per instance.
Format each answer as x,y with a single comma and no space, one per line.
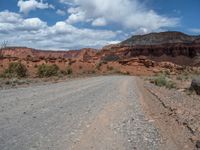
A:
194,139
186,146
181,90
198,144
150,121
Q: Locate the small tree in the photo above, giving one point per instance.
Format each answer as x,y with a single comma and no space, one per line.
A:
3,46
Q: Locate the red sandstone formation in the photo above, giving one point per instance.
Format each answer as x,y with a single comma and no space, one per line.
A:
139,54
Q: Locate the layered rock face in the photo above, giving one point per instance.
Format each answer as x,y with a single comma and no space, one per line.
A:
173,50
160,38
170,44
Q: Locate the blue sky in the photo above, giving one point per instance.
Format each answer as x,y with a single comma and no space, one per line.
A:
74,24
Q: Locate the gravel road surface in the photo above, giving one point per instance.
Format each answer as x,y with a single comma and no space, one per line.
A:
100,113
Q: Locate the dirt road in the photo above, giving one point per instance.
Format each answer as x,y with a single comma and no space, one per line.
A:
100,113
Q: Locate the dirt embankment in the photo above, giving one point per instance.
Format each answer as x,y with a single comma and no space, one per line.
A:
175,113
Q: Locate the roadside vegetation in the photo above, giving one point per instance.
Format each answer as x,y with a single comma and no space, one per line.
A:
98,65
185,81
45,70
69,71
162,80
15,70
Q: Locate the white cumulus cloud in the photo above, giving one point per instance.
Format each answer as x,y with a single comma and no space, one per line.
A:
33,24
33,32
29,5
130,14
99,22
9,17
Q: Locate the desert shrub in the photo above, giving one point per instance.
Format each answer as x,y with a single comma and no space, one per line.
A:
1,55
104,62
121,72
98,65
47,70
182,78
111,58
160,80
163,81
125,73
91,72
110,68
167,72
69,71
15,69
71,62
35,66
63,72
170,85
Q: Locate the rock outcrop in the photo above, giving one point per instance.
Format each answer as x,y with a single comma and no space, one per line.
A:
170,44
160,38
24,52
196,85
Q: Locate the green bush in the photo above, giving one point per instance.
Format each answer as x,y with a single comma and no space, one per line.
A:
162,80
15,69
182,77
110,68
69,71
47,70
170,85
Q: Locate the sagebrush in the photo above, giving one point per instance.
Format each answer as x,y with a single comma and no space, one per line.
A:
15,69
45,70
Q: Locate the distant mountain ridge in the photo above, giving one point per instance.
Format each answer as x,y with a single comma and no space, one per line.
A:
169,44
161,38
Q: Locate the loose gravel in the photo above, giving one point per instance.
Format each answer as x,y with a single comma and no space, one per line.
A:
60,115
